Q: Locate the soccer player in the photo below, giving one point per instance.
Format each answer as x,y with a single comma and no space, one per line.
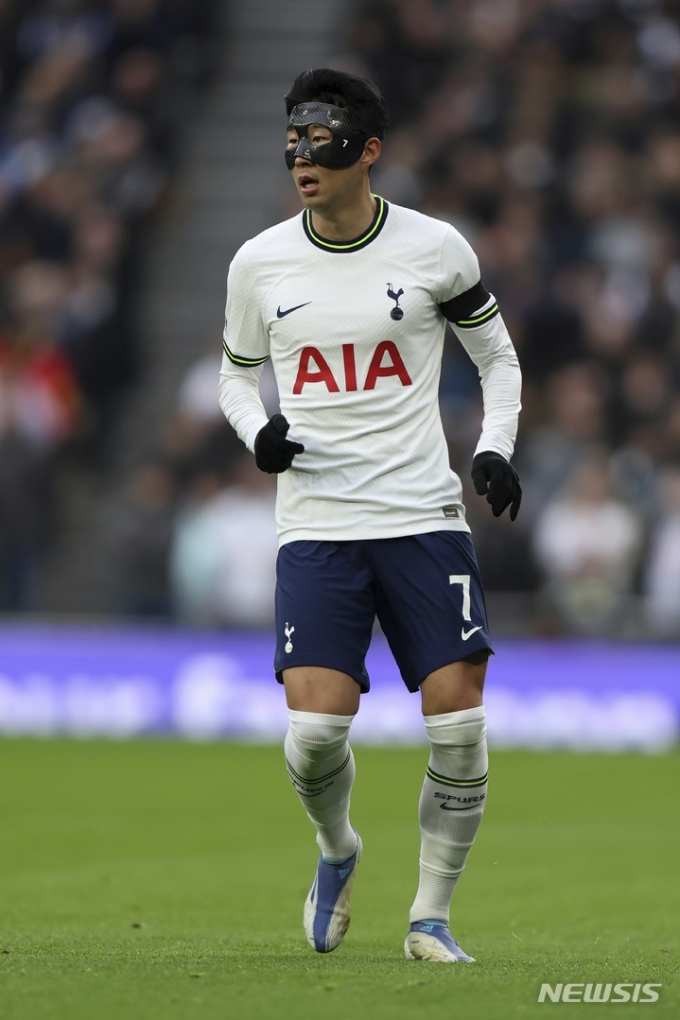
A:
350,301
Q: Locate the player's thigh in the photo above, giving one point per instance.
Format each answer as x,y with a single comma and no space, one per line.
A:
325,610
430,604
317,689
456,686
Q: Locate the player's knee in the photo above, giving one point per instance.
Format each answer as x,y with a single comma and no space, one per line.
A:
458,743
456,729
316,733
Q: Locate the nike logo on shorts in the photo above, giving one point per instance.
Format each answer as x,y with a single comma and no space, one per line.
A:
281,315
465,634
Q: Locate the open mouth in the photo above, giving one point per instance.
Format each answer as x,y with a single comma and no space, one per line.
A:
307,184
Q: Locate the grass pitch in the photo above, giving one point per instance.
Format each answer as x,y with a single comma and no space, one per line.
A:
166,880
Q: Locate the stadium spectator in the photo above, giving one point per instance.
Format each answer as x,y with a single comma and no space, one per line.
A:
197,396
139,528
662,578
587,543
224,549
25,496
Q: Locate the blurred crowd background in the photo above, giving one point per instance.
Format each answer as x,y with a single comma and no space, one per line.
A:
93,94
546,131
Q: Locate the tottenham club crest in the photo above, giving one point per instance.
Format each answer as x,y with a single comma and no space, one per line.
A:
289,644
397,312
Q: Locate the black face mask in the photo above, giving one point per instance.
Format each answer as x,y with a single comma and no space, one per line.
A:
342,151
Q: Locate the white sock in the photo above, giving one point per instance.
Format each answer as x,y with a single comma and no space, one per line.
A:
321,767
451,806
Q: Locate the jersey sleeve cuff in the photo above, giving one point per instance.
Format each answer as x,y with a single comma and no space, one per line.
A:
238,359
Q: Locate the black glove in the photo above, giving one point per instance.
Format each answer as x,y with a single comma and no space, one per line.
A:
496,478
273,452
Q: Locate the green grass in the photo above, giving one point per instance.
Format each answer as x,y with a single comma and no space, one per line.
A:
166,880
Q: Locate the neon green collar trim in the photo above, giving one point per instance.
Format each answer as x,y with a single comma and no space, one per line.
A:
356,243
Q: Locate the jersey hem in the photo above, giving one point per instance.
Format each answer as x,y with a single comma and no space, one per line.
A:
366,534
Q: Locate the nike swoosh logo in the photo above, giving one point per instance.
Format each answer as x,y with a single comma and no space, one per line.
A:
281,315
467,634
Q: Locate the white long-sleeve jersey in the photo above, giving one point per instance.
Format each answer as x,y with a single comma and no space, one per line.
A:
355,333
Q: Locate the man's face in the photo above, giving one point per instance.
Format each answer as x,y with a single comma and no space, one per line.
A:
317,185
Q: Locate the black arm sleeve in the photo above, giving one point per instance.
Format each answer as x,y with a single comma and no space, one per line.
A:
460,310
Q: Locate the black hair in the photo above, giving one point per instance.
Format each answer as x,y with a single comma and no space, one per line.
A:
360,96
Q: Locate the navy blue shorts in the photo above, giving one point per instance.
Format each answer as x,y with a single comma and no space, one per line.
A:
425,591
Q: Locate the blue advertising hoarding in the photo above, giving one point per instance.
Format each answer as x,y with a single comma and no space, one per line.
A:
126,681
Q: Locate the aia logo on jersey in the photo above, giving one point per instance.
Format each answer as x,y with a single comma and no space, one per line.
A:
386,361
